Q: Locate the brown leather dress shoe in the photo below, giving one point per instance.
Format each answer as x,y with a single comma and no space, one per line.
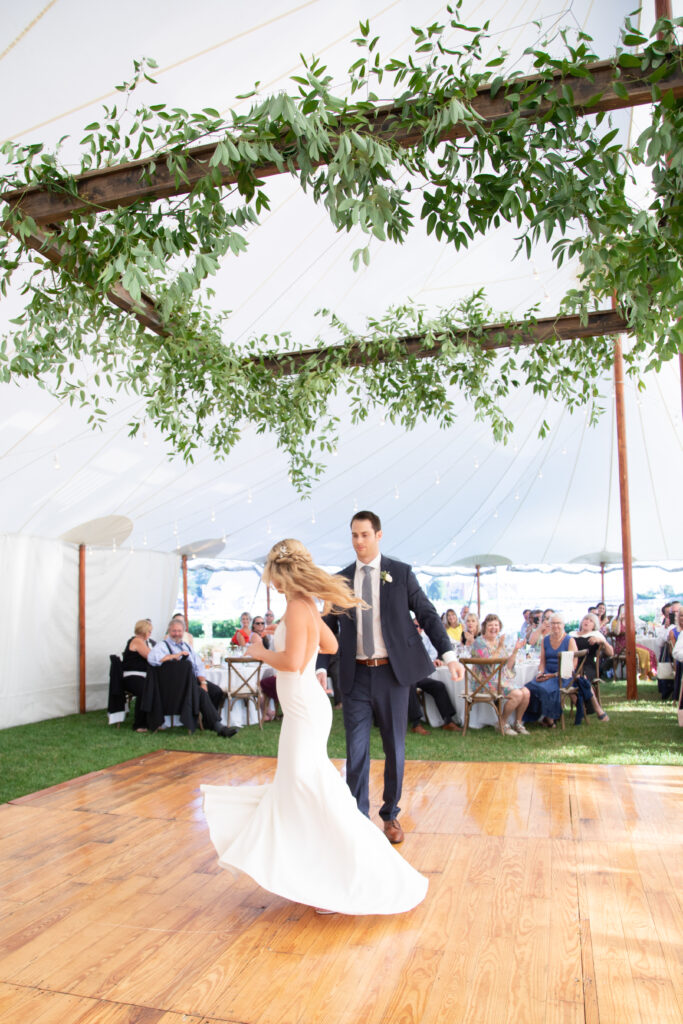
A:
420,730
393,831
451,727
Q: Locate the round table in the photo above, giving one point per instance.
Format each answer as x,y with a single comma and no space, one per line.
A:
481,714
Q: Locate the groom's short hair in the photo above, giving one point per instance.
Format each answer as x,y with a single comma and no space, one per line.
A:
371,516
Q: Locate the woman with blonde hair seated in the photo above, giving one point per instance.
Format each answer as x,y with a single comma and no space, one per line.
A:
491,644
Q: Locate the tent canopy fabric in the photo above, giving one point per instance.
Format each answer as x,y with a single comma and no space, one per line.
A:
443,496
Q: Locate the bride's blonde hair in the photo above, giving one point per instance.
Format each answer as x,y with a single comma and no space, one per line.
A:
290,568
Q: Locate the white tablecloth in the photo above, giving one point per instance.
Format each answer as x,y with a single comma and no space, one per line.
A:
481,714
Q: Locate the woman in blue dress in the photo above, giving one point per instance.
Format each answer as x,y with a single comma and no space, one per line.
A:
544,704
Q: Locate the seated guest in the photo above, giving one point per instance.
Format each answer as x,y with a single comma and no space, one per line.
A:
535,619
491,644
541,629
471,629
134,668
436,689
603,618
615,623
453,626
270,618
258,626
187,637
241,637
464,612
590,638
545,689
524,628
174,648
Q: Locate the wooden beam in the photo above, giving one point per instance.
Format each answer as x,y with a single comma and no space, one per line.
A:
128,183
495,336
561,328
144,310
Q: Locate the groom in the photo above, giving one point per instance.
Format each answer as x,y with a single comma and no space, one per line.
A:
381,657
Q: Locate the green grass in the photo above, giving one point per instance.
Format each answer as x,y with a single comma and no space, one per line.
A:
36,756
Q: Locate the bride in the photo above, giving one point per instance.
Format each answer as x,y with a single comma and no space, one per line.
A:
302,836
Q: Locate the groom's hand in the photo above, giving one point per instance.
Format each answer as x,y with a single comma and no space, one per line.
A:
456,670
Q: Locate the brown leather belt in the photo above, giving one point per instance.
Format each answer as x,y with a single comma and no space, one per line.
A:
372,662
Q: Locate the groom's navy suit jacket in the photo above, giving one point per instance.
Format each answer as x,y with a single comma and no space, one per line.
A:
407,656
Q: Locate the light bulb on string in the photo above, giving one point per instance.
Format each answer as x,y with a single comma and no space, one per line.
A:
213,515
249,497
396,494
145,439
313,518
144,541
516,496
56,464
437,481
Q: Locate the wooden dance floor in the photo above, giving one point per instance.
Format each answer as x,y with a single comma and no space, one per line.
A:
555,896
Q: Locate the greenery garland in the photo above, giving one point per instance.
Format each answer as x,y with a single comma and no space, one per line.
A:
558,176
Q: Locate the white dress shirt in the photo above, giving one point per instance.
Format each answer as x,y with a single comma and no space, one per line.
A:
380,650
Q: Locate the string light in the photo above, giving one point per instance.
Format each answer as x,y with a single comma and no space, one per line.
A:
495,514
516,496
437,480
355,505
56,465
540,474
145,439
270,529
313,518
396,495
144,541
213,515
476,463
249,497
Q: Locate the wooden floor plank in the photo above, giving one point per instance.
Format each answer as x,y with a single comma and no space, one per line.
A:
555,897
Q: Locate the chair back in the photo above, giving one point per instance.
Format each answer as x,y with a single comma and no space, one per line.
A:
483,678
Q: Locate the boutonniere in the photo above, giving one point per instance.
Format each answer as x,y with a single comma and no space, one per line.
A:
386,577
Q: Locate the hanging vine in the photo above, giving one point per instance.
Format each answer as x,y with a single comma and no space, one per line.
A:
556,176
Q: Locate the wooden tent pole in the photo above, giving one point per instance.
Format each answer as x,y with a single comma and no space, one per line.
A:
602,582
478,594
631,678
268,598
184,564
81,628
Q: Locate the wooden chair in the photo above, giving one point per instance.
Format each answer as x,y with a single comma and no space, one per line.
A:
571,689
480,673
244,683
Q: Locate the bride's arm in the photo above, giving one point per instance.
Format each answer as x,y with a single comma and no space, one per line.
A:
327,640
297,621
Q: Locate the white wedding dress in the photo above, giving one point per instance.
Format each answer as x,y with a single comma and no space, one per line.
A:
302,837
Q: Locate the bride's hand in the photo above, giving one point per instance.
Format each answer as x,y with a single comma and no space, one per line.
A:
255,648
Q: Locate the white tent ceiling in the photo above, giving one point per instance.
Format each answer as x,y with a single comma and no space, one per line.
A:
442,496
